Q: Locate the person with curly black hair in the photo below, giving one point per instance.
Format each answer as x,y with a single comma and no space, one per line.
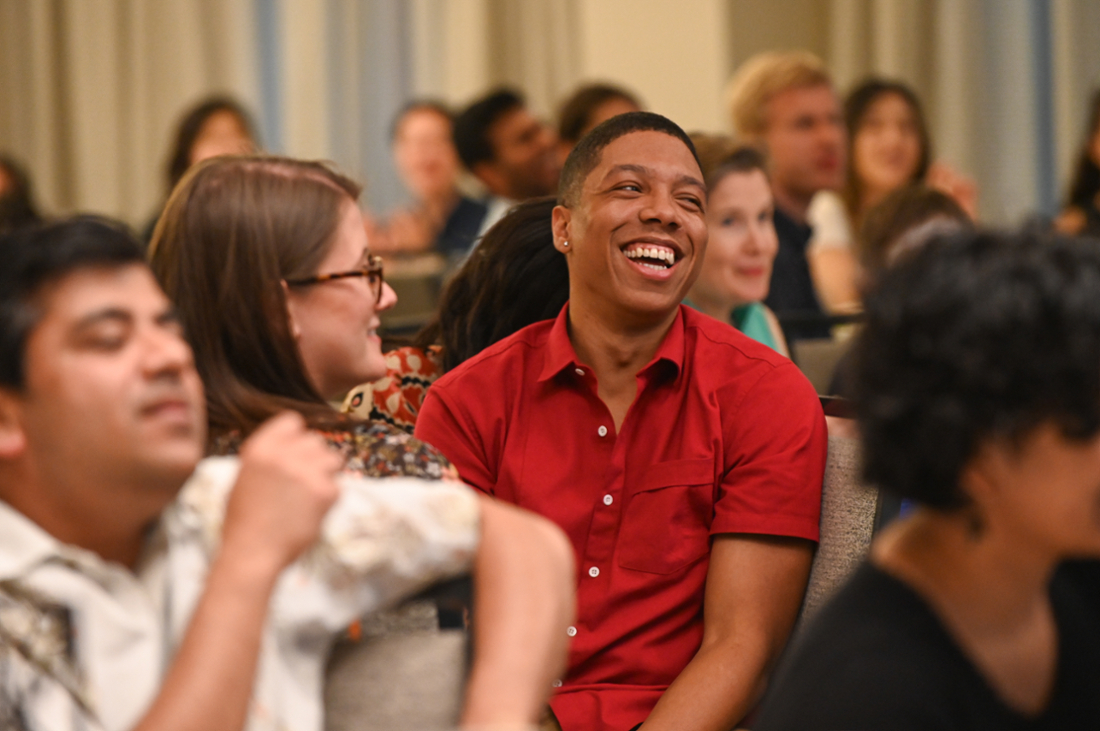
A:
978,397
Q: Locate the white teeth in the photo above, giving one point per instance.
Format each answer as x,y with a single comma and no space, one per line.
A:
647,252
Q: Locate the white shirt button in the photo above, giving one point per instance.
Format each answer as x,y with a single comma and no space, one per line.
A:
579,371
602,431
571,631
556,684
593,572
607,499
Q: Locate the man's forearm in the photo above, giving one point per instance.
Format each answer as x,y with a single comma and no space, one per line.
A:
715,691
210,682
754,589
524,589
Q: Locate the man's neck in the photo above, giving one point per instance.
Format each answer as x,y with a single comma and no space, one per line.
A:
717,308
794,206
438,206
114,535
615,353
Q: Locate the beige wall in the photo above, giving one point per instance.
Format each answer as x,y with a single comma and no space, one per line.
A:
90,89
675,55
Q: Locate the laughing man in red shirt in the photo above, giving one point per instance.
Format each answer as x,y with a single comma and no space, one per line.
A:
683,459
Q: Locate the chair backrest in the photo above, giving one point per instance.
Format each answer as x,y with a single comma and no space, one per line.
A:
818,359
848,509
402,673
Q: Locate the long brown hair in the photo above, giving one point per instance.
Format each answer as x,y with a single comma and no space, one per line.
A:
231,232
856,108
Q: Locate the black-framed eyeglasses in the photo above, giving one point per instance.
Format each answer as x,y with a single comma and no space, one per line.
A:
372,270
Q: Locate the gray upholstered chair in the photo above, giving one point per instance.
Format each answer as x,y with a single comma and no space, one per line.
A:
848,511
404,672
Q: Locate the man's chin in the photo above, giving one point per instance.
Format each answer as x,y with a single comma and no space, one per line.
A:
171,466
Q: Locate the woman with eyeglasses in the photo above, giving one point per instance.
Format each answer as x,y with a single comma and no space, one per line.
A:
266,260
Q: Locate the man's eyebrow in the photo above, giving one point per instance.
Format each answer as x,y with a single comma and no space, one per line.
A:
630,168
691,180
643,170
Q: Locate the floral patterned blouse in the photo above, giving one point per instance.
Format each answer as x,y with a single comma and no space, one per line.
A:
396,398
374,450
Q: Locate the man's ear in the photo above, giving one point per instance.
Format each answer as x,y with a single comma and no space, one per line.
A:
292,321
561,223
13,440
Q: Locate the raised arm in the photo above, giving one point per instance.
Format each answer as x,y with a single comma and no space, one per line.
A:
285,487
754,589
524,601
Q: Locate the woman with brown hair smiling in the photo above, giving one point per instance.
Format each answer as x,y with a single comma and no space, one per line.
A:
266,261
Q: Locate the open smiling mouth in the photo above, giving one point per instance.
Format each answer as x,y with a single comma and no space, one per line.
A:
658,258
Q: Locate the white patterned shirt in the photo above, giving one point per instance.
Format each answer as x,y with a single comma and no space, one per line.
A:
85,643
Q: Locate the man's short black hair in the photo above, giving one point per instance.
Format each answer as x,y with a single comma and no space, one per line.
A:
578,109
971,338
33,258
471,130
586,155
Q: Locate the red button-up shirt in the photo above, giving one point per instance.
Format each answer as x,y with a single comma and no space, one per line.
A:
724,436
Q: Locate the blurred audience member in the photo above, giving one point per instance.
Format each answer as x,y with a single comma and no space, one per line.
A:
440,218
508,149
514,278
131,599
901,223
890,148
978,397
742,243
785,101
215,126
17,208
587,107
1082,212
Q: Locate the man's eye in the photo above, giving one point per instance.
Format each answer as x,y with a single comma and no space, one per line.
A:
106,341
632,187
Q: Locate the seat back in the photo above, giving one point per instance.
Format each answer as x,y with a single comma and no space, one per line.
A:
403,672
848,509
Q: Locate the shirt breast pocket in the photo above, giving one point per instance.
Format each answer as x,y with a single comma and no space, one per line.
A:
667,523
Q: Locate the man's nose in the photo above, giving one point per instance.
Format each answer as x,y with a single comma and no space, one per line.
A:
660,208
166,352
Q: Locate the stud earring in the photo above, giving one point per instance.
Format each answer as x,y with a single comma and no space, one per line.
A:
564,244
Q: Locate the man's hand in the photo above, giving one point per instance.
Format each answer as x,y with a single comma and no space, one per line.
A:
285,487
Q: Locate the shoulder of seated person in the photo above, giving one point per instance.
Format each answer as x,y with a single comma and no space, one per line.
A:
517,346
713,333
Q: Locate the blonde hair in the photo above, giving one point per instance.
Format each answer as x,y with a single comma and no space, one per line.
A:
764,76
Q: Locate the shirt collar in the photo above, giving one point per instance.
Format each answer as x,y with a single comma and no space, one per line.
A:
561,355
23,544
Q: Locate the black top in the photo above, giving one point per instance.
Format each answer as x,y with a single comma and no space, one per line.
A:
461,228
792,288
877,658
